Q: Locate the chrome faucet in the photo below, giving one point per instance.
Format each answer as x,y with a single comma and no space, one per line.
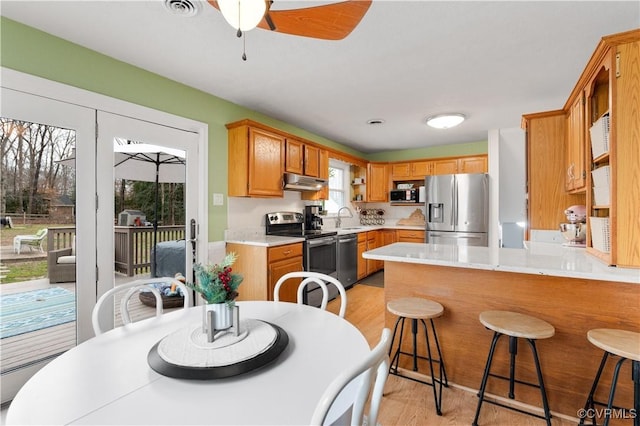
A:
339,219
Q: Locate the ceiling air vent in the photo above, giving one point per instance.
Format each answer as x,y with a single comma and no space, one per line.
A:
185,8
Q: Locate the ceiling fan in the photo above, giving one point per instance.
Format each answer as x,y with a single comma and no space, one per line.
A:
332,21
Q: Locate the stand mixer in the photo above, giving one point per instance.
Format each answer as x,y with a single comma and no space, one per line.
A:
575,232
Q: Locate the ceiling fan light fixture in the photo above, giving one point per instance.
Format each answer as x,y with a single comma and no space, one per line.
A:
244,15
445,121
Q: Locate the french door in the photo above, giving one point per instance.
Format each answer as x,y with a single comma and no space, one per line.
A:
44,339
179,164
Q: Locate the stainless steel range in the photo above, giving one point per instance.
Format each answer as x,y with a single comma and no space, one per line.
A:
319,249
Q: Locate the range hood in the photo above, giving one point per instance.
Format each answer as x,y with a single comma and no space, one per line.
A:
296,182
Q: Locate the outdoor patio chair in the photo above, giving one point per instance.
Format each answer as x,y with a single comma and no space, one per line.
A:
61,264
32,241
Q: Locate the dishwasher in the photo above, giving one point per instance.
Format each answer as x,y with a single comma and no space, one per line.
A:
347,259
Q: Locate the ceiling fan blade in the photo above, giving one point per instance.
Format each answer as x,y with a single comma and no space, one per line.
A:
328,22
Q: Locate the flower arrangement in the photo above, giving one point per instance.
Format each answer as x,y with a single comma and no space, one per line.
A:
216,283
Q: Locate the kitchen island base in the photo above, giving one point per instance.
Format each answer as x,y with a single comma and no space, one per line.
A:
573,305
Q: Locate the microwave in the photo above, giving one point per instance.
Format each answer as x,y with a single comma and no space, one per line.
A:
404,195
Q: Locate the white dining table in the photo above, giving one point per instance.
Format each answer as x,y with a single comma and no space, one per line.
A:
107,379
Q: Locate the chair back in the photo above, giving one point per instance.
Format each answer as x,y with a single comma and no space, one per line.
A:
132,288
317,278
375,367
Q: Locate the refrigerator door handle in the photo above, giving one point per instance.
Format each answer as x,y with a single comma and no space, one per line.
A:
454,198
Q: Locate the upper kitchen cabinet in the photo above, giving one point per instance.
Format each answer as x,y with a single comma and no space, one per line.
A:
294,157
547,198
301,158
447,166
256,161
612,103
418,170
377,182
599,123
323,173
576,174
475,164
311,161
415,170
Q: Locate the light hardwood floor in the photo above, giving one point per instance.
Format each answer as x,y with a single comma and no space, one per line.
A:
406,402
409,403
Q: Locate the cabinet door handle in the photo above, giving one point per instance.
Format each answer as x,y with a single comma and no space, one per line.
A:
286,252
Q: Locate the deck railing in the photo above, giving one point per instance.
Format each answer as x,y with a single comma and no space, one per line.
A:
132,244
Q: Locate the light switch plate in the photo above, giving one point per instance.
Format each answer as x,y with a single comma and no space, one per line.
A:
218,199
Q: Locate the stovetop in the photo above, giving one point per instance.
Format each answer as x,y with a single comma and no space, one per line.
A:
291,224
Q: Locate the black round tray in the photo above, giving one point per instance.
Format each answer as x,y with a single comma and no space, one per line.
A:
158,364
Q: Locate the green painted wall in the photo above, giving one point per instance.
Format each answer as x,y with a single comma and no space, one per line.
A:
472,148
31,51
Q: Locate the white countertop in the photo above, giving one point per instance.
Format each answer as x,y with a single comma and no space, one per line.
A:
265,240
256,237
540,258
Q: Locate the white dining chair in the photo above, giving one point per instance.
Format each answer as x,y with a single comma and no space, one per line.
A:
132,288
375,365
316,278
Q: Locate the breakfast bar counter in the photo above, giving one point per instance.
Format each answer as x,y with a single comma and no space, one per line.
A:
561,285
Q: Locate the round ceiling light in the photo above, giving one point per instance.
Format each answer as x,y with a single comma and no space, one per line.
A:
445,121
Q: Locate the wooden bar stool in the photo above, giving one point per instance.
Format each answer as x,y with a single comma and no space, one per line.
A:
418,309
514,325
626,345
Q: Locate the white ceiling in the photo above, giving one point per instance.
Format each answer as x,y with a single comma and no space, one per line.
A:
492,61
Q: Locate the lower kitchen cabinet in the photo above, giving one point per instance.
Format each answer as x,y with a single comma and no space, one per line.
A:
388,237
362,262
261,267
410,236
374,241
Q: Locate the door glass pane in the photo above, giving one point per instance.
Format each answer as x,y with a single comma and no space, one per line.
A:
149,220
38,273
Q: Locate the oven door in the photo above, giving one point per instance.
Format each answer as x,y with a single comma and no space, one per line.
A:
320,256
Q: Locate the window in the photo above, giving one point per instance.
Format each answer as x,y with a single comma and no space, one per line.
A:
338,186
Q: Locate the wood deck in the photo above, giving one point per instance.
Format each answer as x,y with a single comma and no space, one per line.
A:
28,348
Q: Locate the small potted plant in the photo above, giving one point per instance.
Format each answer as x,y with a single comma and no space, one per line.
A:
218,285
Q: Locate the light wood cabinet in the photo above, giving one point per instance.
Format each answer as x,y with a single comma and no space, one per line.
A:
473,164
374,240
294,157
609,83
377,182
282,260
418,170
576,174
261,267
256,159
311,161
388,237
547,198
445,167
323,173
410,236
415,170
362,262
613,86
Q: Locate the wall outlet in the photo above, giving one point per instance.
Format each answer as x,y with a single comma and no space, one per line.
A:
218,199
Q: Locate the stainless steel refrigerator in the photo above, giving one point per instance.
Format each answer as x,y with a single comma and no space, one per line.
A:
457,209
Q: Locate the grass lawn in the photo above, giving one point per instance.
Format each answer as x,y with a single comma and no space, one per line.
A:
23,271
